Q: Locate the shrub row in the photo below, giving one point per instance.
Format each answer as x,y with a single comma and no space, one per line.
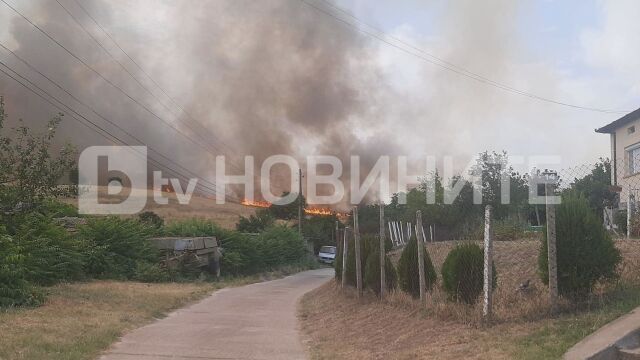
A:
40,252
244,253
462,271
586,257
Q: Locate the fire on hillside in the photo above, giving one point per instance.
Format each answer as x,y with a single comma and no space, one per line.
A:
314,211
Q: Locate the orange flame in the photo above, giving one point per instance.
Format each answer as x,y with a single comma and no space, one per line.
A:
319,211
308,211
256,203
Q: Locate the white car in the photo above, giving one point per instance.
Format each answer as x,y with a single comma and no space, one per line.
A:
327,254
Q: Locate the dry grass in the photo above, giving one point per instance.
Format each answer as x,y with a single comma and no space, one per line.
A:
516,263
337,326
226,215
78,321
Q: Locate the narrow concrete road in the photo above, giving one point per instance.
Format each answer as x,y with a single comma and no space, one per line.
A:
256,321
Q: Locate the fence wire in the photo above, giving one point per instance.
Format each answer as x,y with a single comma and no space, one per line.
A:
611,191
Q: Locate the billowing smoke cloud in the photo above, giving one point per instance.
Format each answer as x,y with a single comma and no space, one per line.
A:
278,77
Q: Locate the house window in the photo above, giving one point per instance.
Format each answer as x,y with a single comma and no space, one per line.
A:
631,130
633,156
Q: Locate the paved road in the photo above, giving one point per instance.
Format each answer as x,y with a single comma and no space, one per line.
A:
256,321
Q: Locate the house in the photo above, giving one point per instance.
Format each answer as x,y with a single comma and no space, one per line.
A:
625,155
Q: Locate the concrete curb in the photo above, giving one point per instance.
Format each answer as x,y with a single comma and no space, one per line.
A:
610,341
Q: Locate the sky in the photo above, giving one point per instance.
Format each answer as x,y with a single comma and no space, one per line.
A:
280,76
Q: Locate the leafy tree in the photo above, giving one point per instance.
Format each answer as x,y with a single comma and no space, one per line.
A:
256,223
320,231
287,211
585,252
29,173
596,186
15,290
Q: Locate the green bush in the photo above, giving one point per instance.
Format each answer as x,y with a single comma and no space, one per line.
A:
620,220
242,254
372,273
54,209
114,247
463,273
193,227
256,223
408,278
152,219
50,254
369,245
280,245
15,290
151,272
585,252
337,263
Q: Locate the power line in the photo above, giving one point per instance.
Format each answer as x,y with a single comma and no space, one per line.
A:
103,77
30,66
79,3
103,132
427,57
208,185
196,132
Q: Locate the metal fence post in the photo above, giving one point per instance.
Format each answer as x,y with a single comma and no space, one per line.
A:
630,200
420,243
383,280
356,235
345,247
551,249
488,262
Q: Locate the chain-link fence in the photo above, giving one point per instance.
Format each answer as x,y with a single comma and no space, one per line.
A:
597,241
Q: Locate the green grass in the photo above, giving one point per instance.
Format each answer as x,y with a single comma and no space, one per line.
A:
555,337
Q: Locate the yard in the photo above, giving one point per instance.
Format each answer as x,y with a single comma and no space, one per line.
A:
338,327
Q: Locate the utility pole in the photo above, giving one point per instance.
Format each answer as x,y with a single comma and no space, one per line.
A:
345,248
488,262
420,243
300,202
551,249
383,280
356,235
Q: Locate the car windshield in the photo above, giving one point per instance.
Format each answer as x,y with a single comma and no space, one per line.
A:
328,249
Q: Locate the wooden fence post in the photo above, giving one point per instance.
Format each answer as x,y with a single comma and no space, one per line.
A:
356,235
345,248
383,254
420,243
551,249
488,262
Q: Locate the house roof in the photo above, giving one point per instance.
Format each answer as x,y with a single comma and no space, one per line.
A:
610,128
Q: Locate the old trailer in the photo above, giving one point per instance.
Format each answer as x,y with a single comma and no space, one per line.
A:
205,252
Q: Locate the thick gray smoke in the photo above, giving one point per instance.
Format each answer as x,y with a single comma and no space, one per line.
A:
269,77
